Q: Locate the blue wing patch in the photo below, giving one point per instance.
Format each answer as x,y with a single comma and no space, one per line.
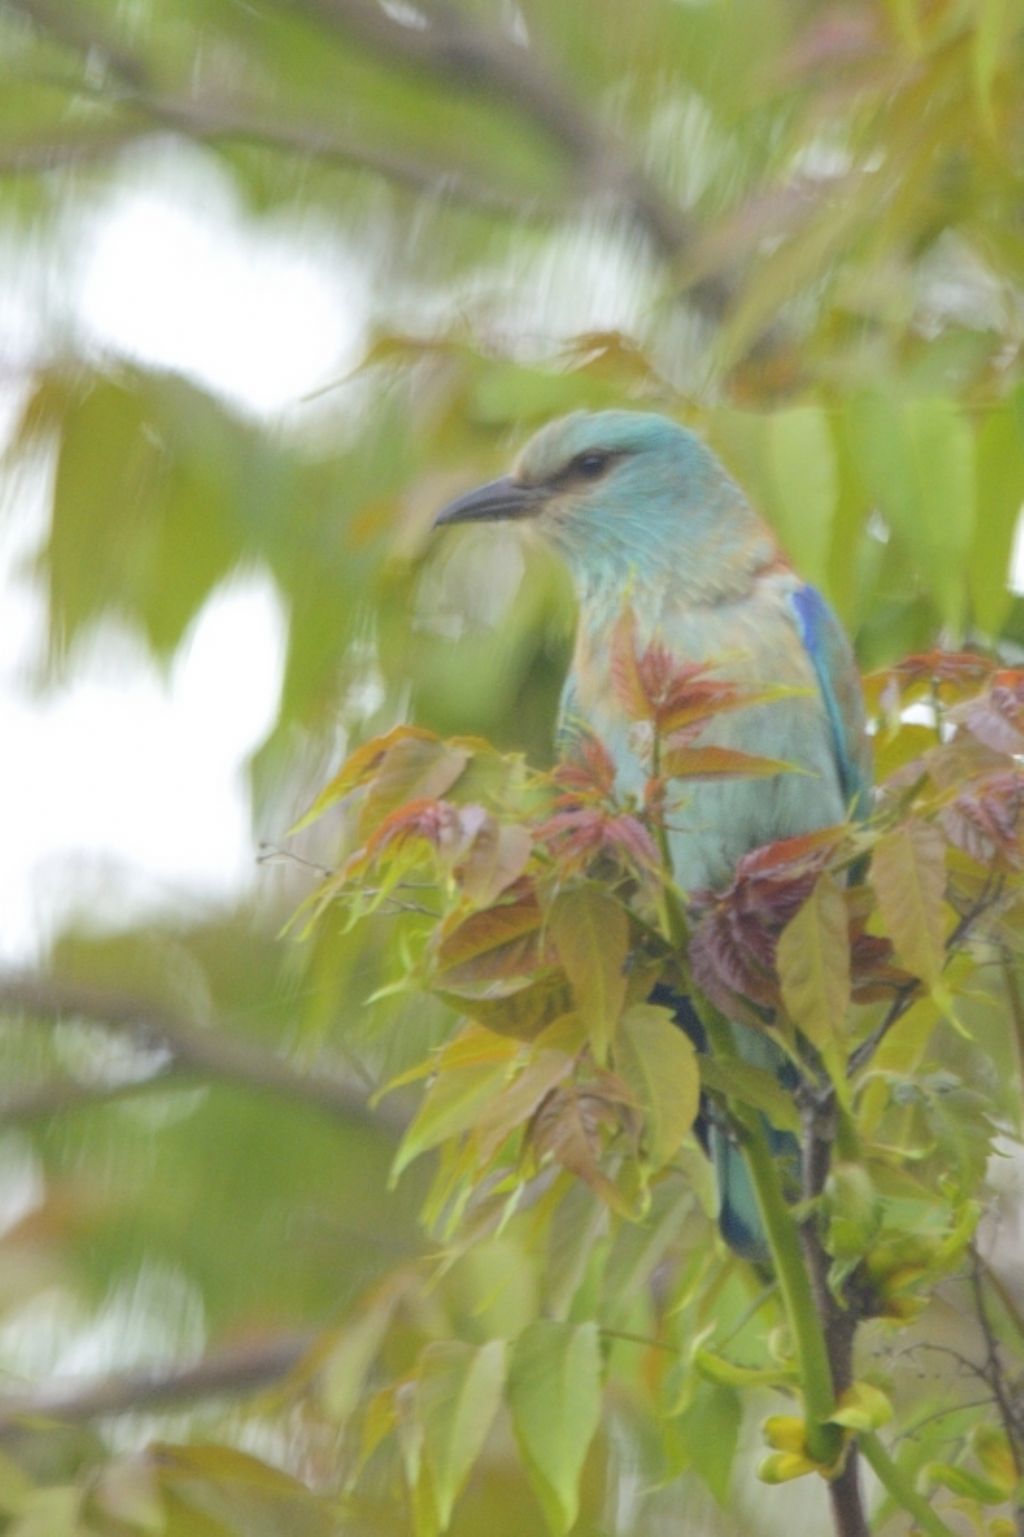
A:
834,668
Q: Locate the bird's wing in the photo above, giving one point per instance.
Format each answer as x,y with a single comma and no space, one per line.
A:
831,656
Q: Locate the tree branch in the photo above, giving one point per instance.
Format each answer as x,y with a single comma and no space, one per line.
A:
839,1324
212,1053
233,1371
456,49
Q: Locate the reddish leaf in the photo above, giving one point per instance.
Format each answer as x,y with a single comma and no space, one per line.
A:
984,821
496,943
568,1126
358,768
732,950
720,763
496,858
591,770
438,823
996,717
416,767
583,833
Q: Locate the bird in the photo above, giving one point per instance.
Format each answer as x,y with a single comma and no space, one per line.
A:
644,515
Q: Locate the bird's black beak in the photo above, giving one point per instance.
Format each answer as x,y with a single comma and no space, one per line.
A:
497,500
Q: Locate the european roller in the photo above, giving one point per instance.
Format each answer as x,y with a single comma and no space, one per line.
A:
645,515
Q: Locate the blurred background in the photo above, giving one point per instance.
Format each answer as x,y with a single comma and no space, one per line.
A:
277,277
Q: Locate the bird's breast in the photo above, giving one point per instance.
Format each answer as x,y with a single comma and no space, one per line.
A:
755,644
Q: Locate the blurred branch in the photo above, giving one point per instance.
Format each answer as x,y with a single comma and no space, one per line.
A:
456,49
66,24
54,1096
212,1052
207,122
233,1371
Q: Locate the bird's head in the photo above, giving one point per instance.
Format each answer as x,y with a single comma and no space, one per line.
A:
621,494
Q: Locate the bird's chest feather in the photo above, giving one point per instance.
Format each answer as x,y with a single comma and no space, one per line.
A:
755,644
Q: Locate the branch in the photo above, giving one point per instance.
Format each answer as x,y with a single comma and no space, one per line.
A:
234,1371
210,1052
457,50
208,122
55,1096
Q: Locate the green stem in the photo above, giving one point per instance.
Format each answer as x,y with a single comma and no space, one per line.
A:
824,1440
900,1486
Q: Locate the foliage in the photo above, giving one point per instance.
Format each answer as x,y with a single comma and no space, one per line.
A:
801,235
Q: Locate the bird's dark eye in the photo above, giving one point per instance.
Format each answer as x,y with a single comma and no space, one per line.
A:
591,464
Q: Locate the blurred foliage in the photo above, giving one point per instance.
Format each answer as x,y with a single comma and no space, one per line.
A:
798,228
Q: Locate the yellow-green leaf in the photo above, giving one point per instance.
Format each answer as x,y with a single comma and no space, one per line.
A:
452,1105
908,873
813,961
459,1391
554,1393
590,931
658,1062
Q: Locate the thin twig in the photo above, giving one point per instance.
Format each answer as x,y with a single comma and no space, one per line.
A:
233,1371
993,1373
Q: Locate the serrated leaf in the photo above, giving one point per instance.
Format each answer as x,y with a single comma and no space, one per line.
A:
813,960
658,1062
459,1391
554,1394
590,931
908,873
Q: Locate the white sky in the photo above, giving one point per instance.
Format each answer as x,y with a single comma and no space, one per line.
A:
125,787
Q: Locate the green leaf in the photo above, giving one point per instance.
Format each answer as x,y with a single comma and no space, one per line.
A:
962,1482
813,960
350,1355
908,873
459,1391
1000,491
452,1105
916,458
554,1394
590,931
804,487
658,1062
709,1431
517,1102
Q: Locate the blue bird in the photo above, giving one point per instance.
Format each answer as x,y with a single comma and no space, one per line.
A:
643,512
